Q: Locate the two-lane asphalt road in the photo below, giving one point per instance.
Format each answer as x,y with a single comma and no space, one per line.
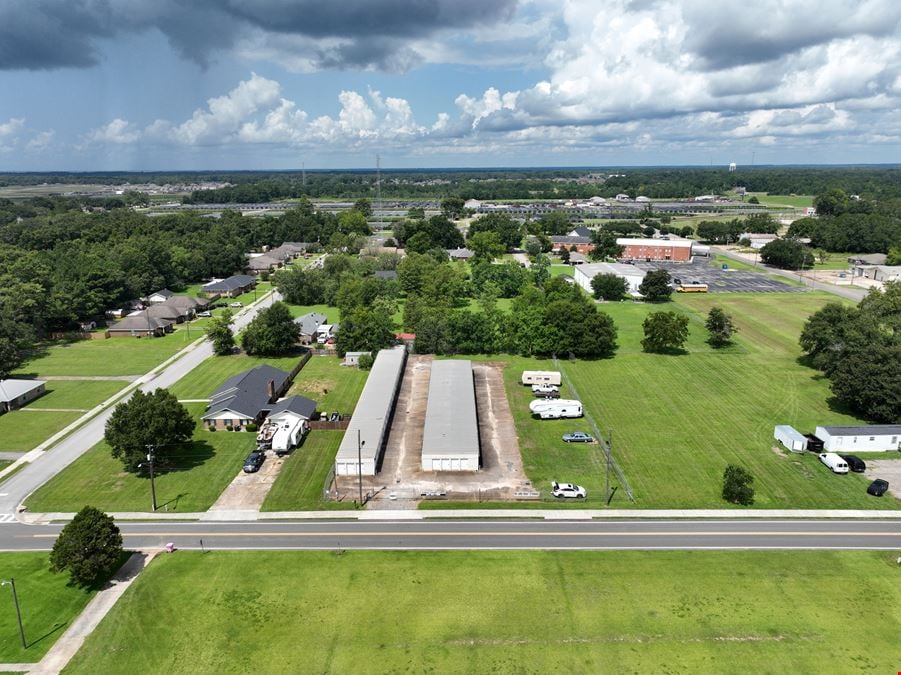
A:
489,534
16,488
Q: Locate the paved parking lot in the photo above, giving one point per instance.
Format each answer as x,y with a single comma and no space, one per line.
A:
723,281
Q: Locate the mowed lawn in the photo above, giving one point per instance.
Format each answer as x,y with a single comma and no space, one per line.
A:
511,611
47,602
333,386
300,482
113,356
24,430
77,394
678,420
192,482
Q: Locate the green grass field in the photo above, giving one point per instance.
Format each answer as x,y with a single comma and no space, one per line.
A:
77,394
499,612
300,482
787,201
114,356
5,463
331,385
24,430
195,479
47,602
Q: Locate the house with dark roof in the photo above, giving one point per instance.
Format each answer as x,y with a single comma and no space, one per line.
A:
294,406
246,398
263,263
186,305
580,231
16,393
141,324
159,296
460,253
581,244
165,311
308,325
234,286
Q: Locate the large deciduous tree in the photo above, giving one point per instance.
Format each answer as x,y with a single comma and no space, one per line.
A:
16,337
737,485
609,287
272,332
605,246
787,254
219,332
664,332
153,420
720,327
655,287
88,548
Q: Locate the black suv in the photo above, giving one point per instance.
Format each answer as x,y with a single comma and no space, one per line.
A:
855,463
253,462
877,487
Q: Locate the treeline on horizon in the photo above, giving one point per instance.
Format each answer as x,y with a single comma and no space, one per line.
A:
874,182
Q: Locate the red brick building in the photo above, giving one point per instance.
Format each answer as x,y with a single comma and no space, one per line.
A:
676,250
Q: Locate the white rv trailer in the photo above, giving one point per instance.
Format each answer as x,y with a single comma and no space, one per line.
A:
552,409
790,438
541,377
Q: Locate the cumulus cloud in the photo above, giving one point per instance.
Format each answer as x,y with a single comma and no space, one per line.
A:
15,135
47,34
117,132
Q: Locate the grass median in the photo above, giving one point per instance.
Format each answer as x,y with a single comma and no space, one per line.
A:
513,611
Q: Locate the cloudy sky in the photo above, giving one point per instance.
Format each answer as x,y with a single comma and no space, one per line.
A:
257,84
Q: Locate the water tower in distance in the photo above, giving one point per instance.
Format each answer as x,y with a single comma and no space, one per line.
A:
732,167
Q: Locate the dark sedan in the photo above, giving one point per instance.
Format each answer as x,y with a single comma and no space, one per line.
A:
878,487
253,462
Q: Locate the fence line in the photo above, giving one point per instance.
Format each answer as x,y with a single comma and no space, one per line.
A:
608,452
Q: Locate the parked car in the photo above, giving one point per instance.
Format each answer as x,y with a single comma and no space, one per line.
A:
253,462
235,304
568,491
878,487
578,437
855,463
545,388
204,314
834,462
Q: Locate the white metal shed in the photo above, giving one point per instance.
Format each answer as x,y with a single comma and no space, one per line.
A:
790,437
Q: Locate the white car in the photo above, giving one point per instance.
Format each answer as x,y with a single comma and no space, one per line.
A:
568,491
235,304
204,314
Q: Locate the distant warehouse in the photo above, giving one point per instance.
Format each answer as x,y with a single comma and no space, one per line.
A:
371,419
655,250
450,439
632,274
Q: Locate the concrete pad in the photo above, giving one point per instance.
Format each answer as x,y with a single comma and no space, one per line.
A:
248,490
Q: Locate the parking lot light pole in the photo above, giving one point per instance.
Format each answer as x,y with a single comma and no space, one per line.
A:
12,583
360,445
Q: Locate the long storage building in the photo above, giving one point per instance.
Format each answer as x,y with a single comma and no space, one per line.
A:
371,419
450,437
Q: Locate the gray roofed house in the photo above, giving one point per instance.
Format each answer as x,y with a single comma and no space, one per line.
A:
15,393
865,430
299,405
166,311
460,253
570,240
308,323
187,305
576,258
263,263
296,246
246,397
580,231
140,325
232,286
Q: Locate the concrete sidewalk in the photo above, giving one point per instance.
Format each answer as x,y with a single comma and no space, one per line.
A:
246,515
66,647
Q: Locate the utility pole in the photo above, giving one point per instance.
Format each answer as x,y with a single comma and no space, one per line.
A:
12,583
609,452
150,459
360,445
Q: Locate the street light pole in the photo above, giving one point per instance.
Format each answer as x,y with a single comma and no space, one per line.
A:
12,583
360,445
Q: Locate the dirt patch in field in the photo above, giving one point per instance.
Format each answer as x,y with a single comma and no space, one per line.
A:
317,387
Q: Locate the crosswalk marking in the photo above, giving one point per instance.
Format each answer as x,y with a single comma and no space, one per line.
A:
7,518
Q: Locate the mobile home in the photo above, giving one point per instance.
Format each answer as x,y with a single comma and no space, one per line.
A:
872,438
790,438
541,377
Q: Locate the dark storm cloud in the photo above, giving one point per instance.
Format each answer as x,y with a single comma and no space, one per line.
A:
49,34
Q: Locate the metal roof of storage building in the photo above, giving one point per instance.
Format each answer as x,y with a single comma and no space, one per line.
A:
372,416
451,423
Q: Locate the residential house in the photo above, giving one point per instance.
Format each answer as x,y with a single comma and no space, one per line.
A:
246,398
460,253
166,312
16,393
140,324
187,306
159,296
308,325
576,258
582,244
262,263
580,231
876,437
232,287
